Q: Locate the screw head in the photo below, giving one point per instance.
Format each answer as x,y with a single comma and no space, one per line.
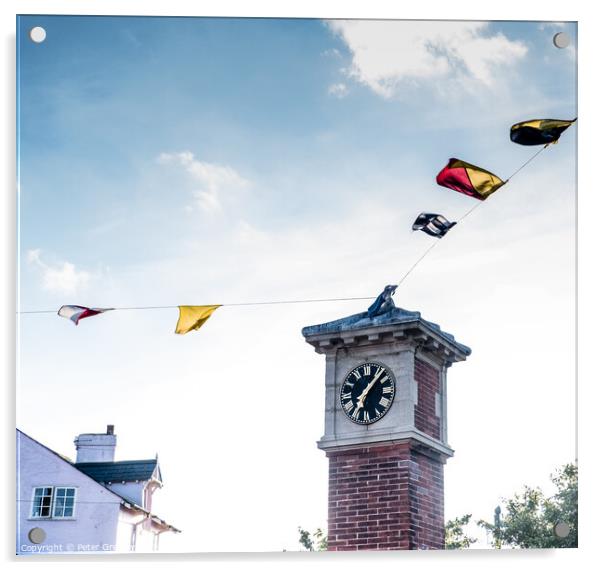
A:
561,529
561,40
37,535
37,34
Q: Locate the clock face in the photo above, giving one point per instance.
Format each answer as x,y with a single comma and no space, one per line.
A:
367,393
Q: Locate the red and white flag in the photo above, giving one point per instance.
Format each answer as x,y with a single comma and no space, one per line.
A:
75,312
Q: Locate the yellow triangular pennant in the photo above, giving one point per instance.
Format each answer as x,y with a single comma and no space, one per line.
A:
193,317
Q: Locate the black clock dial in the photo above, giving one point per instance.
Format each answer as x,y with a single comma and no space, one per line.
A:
367,393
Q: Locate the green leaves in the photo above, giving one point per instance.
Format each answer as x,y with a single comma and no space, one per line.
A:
312,542
531,519
455,534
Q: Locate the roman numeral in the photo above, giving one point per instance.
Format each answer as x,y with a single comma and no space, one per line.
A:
388,390
356,413
366,416
379,372
357,374
366,369
346,396
383,402
348,406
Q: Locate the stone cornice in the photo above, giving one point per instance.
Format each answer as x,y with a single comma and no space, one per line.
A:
359,331
424,441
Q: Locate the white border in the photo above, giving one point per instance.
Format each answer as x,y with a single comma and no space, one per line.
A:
590,189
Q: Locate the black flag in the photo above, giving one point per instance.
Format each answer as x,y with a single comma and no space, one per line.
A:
433,224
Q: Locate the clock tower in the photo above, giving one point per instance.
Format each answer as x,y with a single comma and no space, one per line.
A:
385,427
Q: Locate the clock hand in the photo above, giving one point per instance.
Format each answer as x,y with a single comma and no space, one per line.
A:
365,392
370,385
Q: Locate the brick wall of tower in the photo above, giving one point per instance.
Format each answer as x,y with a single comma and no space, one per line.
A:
428,520
385,497
425,411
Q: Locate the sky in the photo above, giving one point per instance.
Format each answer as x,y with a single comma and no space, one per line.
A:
168,161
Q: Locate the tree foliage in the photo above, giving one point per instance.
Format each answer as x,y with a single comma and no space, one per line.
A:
313,541
532,520
455,533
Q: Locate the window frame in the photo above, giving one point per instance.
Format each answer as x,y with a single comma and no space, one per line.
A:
54,498
52,507
32,514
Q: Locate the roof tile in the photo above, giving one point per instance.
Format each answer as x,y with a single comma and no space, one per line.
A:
117,471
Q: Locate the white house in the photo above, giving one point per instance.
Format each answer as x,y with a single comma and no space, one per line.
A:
95,504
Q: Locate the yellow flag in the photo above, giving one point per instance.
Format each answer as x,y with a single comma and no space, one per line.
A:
193,317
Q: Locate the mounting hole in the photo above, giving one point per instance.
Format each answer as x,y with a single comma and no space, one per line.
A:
561,530
561,40
37,34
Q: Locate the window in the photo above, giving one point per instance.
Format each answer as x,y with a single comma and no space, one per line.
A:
64,502
53,502
42,501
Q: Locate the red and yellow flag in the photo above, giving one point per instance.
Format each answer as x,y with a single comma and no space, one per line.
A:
468,179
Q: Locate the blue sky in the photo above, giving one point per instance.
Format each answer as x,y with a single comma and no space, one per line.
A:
189,160
104,96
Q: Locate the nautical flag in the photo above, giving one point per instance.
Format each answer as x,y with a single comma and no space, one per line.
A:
539,131
75,312
468,179
193,317
434,225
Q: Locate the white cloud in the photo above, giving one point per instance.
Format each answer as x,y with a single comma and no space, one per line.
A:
59,278
571,51
248,235
215,180
388,53
338,90
333,52
33,256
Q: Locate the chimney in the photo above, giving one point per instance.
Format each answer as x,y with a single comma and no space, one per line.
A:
96,447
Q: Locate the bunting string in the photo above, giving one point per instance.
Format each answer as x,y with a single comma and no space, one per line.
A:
246,304
466,214
527,162
428,250
457,175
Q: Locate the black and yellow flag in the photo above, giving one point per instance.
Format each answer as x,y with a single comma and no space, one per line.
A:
538,131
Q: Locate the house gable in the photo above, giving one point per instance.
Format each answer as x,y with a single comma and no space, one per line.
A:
96,513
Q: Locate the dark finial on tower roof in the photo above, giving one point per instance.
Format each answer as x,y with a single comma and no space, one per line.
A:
383,303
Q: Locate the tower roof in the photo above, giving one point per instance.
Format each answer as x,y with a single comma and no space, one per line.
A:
395,324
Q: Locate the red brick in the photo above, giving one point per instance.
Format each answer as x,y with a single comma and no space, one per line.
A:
428,380
404,510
